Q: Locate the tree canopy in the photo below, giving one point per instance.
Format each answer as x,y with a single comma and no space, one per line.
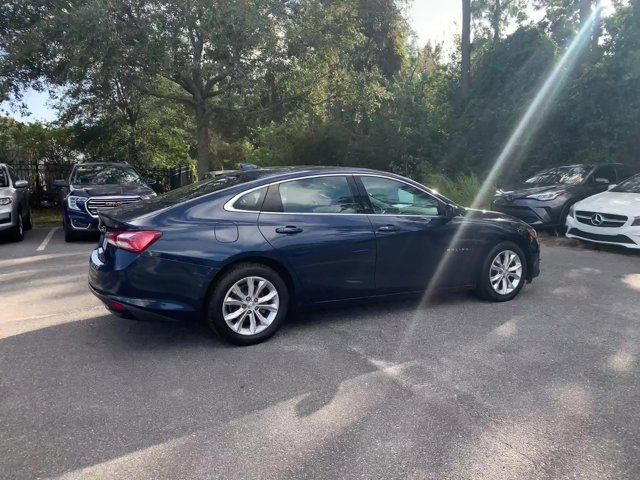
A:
219,82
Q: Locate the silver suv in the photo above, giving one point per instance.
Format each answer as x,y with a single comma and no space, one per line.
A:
15,214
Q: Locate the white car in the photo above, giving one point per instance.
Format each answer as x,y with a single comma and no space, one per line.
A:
611,217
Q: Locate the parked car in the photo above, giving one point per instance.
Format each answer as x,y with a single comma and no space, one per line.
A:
611,217
94,187
15,213
239,249
544,200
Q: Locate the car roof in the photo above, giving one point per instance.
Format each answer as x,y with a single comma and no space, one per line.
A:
91,164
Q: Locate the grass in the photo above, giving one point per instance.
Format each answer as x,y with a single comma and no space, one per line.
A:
462,190
46,217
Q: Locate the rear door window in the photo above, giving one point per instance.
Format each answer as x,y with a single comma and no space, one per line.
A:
331,194
252,201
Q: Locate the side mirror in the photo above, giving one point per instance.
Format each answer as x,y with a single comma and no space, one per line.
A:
602,181
449,211
150,181
21,184
60,183
611,186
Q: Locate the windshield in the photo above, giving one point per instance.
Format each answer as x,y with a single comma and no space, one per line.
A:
559,176
630,185
4,178
105,175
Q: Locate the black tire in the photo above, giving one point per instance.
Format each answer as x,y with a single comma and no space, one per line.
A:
69,234
561,229
29,222
17,232
215,319
484,287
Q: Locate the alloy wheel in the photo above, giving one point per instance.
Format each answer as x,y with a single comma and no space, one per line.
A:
505,273
250,305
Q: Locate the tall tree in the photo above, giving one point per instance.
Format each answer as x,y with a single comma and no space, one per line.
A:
465,49
205,54
498,14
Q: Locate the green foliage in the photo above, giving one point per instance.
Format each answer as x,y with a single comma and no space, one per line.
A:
321,82
463,190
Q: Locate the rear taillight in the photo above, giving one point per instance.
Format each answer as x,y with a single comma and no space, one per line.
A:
133,241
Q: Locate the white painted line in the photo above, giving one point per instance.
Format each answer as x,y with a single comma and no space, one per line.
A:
44,243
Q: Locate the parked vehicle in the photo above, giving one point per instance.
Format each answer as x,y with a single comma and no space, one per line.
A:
239,249
15,213
544,200
94,187
611,217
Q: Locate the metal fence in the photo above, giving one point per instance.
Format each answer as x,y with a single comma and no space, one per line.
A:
43,193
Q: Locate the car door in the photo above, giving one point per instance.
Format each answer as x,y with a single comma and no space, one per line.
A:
319,228
414,239
22,194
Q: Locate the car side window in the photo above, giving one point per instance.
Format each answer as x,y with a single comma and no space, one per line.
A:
388,196
13,175
331,194
251,201
607,172
4,178
624,172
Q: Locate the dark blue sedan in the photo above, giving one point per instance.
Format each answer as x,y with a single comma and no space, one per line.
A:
238,250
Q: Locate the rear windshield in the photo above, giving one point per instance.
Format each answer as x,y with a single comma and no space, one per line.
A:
630,185
206,186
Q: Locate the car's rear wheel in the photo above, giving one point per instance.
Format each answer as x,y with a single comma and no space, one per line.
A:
248,304
17,234
503,273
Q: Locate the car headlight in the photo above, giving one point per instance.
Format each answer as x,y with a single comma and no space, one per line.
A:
572,211
547,195
147,197
5,200
75,203
636,222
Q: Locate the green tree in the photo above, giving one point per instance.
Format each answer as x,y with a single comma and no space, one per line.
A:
204,54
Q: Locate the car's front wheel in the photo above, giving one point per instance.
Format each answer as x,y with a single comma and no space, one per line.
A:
503,273
17,233
248,304
69,234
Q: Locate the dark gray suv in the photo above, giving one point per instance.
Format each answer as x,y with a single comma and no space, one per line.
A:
544,200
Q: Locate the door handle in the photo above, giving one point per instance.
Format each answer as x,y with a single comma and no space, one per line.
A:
289,230
388,228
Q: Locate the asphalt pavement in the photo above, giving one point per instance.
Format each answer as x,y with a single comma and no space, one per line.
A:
542,387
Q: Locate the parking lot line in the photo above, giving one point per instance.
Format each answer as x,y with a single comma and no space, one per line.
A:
44,243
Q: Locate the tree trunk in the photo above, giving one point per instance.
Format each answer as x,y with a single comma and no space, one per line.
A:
585,11
465,78
495,21
597,21
204,139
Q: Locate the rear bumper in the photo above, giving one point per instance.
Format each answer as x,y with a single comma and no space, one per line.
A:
137,308
146,287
